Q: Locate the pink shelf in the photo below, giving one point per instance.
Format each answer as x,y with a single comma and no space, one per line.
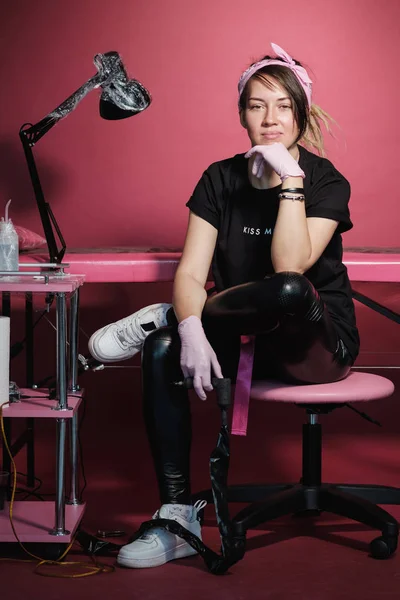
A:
33,522
42,407
66,283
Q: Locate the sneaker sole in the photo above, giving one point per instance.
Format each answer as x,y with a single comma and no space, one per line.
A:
181,551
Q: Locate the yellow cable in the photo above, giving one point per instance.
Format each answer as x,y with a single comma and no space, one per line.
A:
97,568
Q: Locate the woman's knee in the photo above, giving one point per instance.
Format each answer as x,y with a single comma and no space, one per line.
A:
158,343
294,291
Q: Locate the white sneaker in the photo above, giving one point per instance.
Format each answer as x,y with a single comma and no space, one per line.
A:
123,339
158,546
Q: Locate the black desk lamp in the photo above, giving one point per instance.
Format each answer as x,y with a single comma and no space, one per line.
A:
120,98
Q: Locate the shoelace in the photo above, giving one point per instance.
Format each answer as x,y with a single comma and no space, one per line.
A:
130,332
197,506
127,333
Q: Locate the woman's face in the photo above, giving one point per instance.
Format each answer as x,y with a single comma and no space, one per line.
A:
268,116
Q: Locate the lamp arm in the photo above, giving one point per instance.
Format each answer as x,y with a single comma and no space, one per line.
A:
46,214
29,135
33,133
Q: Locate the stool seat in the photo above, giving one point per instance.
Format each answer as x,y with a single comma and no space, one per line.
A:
356,387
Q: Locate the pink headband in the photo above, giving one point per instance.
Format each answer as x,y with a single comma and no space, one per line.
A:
300,72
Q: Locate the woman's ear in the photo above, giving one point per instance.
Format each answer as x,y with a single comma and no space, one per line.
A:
242,118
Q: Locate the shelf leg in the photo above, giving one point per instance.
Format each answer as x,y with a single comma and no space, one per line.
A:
62,399
73,498
59,528
61,324
74,387
73,342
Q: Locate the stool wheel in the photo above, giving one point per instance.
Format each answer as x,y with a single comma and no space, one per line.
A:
383,547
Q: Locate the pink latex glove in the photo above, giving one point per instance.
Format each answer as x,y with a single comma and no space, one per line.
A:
197,356
278,157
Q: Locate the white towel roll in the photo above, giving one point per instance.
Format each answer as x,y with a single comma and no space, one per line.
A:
4,359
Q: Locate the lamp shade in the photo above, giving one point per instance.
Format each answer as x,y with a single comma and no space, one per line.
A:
121,97
119,101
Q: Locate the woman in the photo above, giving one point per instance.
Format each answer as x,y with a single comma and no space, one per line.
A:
270,223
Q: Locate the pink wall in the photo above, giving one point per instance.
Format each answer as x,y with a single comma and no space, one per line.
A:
126,183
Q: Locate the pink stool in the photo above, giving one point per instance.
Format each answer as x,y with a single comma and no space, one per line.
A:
357,502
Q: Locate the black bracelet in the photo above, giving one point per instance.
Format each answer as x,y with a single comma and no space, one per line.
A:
283,196
293,190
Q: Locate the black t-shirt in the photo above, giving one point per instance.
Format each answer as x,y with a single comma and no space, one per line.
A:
245,218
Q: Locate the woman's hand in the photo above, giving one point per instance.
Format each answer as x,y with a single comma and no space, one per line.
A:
277,157
197,356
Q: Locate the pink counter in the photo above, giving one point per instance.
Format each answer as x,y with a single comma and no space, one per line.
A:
102,265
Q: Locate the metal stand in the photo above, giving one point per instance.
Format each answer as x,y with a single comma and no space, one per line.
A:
64,408
74,387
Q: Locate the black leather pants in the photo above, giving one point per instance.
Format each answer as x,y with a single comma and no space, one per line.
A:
295,341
